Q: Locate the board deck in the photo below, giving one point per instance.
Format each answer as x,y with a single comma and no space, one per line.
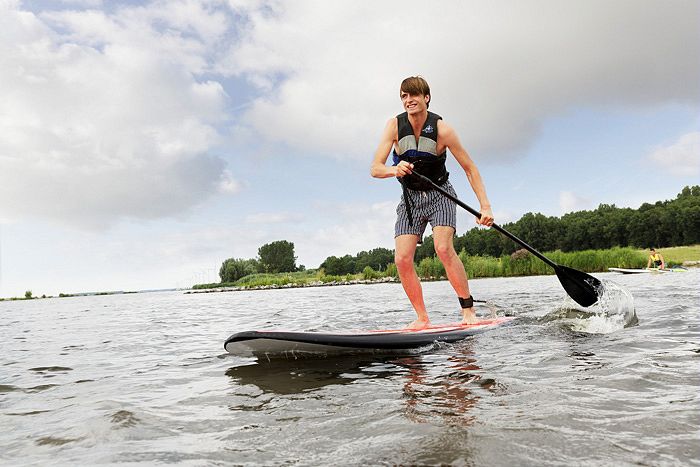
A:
294,343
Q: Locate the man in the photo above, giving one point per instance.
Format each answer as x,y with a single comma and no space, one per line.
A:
420,139
655,259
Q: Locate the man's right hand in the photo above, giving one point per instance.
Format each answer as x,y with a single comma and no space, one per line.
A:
404,168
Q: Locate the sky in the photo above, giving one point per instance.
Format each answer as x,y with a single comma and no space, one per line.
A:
142,143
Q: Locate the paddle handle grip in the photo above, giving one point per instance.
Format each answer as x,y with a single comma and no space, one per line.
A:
494,226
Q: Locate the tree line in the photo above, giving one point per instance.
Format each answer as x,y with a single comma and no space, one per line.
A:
272,257
662,224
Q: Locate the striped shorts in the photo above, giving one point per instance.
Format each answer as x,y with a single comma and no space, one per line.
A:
426,206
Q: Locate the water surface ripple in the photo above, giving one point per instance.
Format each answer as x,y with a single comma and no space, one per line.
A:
143,378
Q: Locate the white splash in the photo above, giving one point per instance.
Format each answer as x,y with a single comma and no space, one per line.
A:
613,311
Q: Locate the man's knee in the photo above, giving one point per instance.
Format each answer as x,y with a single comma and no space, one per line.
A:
403,260
445,250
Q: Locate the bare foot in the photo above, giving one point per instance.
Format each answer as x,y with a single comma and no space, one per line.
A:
419,324
469,316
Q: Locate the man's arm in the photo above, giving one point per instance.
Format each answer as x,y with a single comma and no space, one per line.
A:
450,139
379,168
663,263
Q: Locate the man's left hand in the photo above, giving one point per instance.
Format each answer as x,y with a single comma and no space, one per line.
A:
486,217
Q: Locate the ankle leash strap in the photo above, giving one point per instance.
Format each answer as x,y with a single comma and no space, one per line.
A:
469,302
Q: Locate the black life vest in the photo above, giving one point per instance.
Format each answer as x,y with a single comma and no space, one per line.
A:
422,153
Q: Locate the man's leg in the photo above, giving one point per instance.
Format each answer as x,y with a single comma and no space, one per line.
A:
444,247
403,258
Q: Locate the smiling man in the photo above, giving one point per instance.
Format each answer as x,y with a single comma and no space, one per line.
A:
420,140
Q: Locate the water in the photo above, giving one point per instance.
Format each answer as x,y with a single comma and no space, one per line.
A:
144,379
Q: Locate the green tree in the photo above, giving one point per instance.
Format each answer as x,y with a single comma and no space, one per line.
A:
368,273
233,269
277,256
339,266
28,294
425,250
378,259
536,229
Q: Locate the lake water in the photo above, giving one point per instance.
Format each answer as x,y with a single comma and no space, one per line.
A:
143,378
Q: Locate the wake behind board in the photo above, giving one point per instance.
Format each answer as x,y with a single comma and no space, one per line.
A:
297,344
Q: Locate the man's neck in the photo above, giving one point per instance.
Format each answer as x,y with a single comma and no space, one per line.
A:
418,119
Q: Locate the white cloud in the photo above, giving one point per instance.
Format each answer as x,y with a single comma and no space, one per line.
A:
681,159
104,117
273,218
116,113
228,184
83,3
570,202
358,227
330,70
139,256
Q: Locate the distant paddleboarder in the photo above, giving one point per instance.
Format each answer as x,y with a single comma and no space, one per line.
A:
420,140
656,260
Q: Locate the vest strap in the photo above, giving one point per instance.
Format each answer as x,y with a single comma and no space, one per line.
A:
407,201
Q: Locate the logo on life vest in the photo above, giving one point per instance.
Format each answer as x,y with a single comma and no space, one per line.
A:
428,129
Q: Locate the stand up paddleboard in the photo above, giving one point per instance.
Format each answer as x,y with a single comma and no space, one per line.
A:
645,271
299,344
629,271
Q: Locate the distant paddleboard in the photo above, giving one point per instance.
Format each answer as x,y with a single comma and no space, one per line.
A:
645,270
297,344
629,271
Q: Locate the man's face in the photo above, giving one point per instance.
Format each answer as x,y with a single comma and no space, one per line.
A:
414,103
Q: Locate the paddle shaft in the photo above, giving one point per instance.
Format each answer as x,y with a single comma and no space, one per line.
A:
495,226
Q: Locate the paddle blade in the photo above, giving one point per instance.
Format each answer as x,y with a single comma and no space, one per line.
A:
582,287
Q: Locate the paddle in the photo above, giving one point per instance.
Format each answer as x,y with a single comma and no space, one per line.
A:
582,287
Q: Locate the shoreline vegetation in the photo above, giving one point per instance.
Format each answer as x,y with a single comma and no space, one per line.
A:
589,241
585,240
520,263
30,296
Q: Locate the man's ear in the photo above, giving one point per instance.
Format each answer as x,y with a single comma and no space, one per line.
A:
427,98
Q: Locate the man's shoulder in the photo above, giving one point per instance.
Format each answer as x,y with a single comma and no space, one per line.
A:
391,129
443,126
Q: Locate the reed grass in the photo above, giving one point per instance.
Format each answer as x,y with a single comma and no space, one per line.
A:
526,264
283,278
520,263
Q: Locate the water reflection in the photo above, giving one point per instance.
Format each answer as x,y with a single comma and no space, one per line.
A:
437,387
282,376
443,389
